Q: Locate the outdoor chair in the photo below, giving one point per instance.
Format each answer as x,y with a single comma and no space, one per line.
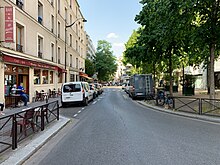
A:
37,96
45,113
26,121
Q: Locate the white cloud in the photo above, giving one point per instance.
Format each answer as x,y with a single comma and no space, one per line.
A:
118,48
118,45
112,35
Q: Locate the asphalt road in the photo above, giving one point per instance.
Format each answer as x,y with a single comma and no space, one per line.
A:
116,130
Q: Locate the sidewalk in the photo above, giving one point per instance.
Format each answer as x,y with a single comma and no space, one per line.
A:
29,146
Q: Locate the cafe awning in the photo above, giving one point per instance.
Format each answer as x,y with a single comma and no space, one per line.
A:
81,74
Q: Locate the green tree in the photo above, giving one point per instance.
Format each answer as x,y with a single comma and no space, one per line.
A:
90,67
206,36
105,62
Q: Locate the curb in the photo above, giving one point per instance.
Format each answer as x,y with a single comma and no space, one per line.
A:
184,114
23,153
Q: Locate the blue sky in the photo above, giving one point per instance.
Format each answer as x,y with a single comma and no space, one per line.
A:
111,20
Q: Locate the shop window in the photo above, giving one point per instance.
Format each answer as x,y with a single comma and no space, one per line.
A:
37,76
51,77
10,80
60,77
45,76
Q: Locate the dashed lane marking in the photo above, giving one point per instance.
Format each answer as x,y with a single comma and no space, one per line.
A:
125,96
75,115
79,112
94,102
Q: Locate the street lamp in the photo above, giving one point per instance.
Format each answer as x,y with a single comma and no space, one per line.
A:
67,26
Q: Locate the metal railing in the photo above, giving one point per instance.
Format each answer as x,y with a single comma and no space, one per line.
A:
22,123
201,106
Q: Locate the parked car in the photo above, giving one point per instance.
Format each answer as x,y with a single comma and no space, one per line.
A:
75,92
94,90
99,87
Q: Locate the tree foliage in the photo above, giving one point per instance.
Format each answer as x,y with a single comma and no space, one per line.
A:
90,67
176,33
105,62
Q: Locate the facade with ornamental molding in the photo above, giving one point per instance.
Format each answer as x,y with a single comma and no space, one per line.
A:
33,43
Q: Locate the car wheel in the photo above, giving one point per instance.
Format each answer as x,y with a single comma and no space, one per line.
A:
64,105
86,102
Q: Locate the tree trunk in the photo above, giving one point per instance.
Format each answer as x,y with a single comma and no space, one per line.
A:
211,74
171,72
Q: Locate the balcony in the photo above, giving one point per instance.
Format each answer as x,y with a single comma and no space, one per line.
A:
40,54
19,48
19,3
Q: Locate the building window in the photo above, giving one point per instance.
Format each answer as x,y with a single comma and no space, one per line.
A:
71,4
60,77
37,76
77,63
72,77
52,52
71,39
71,19
52,23
45,76
40,47
76,45
51,2
71,60
76,29
51,77
19,3
40,13
58,7
59,61
19,37
66,15
58,30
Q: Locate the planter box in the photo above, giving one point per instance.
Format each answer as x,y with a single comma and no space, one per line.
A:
188,91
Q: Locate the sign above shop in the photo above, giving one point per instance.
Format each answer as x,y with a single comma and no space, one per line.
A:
9,24
25,62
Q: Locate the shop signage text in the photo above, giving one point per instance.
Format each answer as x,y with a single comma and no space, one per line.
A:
9,24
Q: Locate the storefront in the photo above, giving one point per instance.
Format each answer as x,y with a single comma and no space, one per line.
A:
84,77
35,75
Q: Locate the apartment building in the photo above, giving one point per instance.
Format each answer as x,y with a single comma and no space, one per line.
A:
33,40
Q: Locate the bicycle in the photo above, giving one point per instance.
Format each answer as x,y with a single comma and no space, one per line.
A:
160,99
169,101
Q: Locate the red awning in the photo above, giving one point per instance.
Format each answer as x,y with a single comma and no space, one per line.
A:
61,70
27,62
85,76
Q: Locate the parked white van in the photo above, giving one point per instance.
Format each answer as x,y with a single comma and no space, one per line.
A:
75,92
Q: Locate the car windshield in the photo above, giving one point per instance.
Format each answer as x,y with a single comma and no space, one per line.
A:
72,88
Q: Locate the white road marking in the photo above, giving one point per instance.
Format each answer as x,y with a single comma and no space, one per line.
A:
83,108
94,102
125,96
75,115
79,112
98,99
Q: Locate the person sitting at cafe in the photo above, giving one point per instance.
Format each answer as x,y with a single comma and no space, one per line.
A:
22,93
14,89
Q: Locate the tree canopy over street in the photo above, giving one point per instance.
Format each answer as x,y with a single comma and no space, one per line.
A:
105,62
175,33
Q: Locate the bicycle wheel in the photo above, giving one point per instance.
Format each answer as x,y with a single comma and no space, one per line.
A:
160,101
170,103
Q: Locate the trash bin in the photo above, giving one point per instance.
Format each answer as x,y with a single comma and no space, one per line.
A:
1,106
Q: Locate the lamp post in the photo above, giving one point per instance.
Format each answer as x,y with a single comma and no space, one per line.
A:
67,26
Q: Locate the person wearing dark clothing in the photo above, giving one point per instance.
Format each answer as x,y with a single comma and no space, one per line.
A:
22,93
